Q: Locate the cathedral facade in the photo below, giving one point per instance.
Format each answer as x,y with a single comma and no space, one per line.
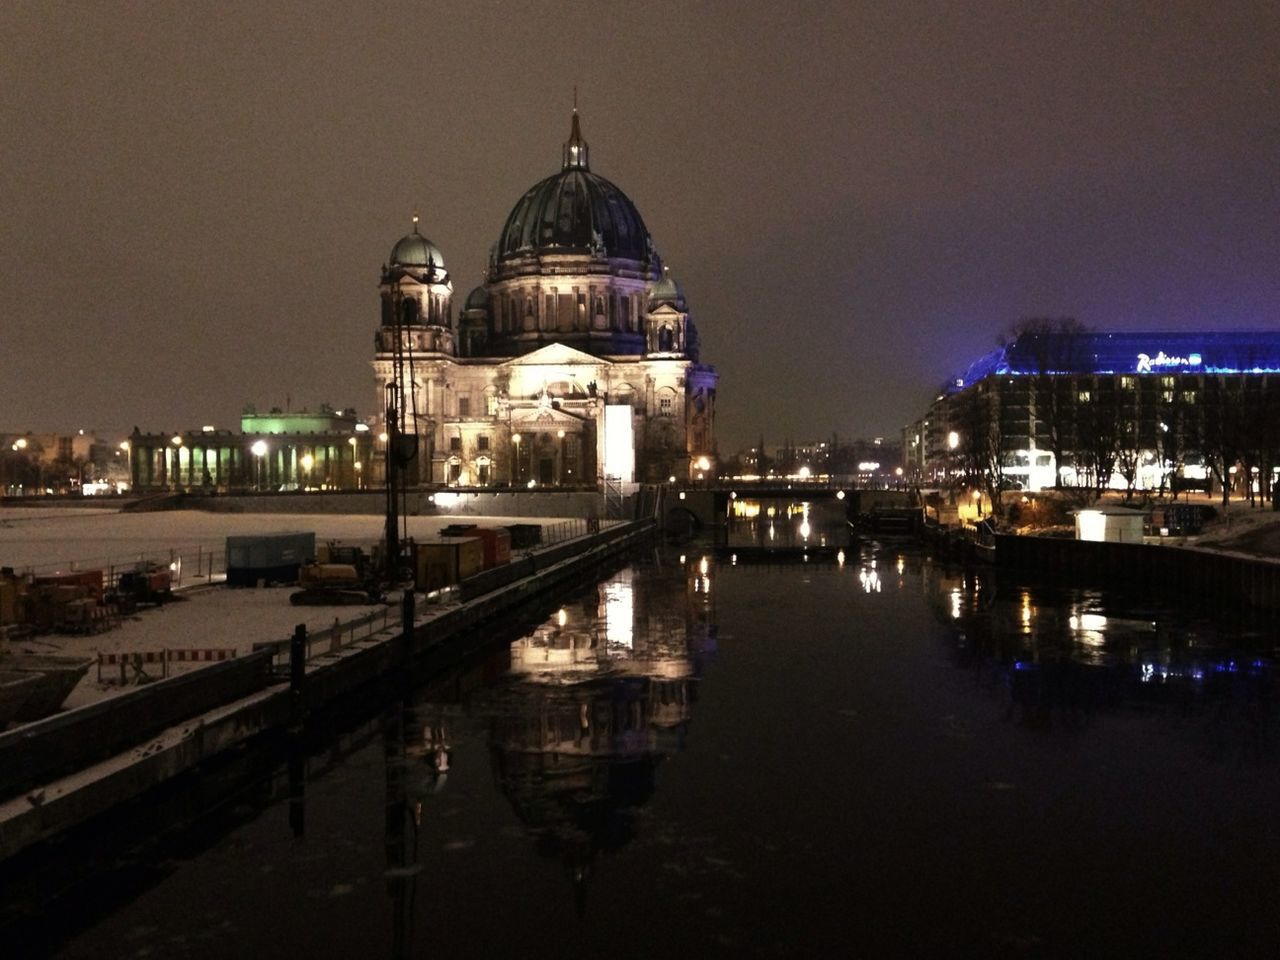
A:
574,363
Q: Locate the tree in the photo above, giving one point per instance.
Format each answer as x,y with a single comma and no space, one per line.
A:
982,445
1055,347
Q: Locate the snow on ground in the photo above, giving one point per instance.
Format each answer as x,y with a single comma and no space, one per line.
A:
204,618
48,539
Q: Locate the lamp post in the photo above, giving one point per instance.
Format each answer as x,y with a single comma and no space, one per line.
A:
953,441
307,462
515,458
259,450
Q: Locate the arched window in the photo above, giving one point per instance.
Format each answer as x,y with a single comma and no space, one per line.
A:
409,311
665,340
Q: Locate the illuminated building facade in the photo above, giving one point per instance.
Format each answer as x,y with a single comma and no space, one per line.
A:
574,362
1110,410
276,451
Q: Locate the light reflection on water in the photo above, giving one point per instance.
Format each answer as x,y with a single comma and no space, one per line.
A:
1061,654
550,749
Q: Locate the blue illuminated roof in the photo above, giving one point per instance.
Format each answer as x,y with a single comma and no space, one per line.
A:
1254,351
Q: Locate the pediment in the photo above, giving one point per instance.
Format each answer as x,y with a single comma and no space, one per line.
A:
541,417
556,354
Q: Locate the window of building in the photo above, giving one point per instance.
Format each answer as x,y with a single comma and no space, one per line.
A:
1167,396
482,442
1166,382
664,407
455,443
1188,396
1127,383
464,406
1083,396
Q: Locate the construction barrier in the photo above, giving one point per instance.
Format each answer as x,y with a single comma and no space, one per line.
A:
133,664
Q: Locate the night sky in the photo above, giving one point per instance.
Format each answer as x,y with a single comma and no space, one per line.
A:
857,198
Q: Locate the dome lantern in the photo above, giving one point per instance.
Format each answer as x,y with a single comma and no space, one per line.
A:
575,148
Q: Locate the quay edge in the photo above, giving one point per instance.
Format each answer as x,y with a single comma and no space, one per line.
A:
161,748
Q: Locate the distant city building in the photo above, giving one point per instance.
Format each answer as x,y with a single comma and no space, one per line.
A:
1110,410
37,463
872,462
576,359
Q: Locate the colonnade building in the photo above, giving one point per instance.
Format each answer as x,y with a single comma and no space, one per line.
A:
1110,410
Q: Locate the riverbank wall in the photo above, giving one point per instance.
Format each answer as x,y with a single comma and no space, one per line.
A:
61,771
1180,571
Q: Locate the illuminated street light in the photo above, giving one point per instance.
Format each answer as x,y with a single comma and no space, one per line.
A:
259,450
177,441
953,440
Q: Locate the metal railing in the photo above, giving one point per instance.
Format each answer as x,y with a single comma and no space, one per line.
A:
187,565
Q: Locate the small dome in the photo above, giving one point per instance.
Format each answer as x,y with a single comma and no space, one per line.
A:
477,299
415,250
666,290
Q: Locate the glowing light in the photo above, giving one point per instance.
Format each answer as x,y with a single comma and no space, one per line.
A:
307,461
839,494
532,484
562,616
953,439
703,566
840,558
803,473
177,441
560,434
382,437
805,529
515,438
259,448
619,442
703,463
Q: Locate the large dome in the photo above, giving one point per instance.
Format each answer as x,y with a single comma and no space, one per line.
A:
575,211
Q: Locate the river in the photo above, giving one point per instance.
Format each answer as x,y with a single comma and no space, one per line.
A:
873,754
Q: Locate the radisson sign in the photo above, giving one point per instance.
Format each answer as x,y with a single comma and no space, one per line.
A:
1162,361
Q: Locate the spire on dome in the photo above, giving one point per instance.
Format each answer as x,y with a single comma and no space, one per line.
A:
575,148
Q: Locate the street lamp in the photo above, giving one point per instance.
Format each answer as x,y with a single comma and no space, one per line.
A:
259,450
515,467
307,462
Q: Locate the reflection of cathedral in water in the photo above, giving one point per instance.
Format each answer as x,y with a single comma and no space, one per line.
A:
592,701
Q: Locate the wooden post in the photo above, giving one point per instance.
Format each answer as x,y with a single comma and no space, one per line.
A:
406,617
298,657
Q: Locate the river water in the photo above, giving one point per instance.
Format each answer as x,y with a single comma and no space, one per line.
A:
706,756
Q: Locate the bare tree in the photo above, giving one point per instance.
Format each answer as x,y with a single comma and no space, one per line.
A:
1055,347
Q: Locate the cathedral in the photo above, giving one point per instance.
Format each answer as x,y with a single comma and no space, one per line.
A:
574,364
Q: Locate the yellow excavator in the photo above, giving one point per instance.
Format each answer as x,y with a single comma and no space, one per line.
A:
339,576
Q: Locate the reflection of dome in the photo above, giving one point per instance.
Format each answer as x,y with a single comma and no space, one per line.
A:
415,250
575,211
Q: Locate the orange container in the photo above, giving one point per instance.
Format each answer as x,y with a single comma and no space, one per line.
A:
75,578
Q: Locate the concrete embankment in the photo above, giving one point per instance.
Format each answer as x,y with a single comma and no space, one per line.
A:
61,771
1222,577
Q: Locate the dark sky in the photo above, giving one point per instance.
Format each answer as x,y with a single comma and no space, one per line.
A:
857,197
